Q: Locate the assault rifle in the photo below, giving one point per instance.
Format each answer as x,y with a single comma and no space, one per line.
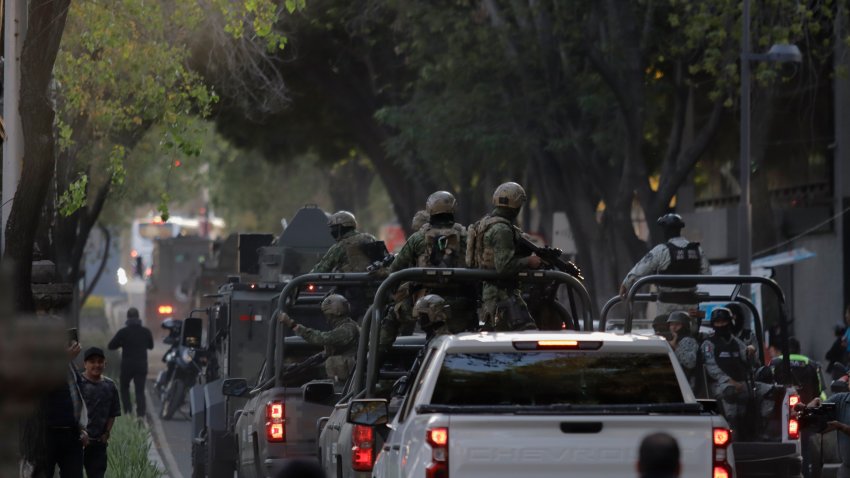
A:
293,369
551,256
380,263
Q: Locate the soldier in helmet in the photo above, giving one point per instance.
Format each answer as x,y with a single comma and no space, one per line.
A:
340,342
348,254
440,242
419,219
492,245
433,314
676,255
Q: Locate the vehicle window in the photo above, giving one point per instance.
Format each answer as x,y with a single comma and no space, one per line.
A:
417,378
397,362
556,377
294,372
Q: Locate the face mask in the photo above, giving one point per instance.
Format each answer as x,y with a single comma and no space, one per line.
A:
723,332
336,232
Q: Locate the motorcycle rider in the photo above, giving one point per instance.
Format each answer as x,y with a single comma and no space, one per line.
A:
676,255
340,342
492,245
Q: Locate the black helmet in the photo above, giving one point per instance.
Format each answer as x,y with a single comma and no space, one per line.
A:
739,315
671,220
720,313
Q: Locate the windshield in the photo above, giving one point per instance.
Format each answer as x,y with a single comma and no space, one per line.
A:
556,377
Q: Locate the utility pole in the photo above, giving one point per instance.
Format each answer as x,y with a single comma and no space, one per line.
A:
14,31
745,245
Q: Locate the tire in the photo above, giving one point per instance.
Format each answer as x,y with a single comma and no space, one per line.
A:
199,460
173,399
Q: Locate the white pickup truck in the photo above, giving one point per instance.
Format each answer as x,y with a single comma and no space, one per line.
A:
544,405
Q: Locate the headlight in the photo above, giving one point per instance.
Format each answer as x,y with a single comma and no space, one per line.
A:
187,355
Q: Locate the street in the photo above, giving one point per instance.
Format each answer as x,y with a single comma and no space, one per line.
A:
171,437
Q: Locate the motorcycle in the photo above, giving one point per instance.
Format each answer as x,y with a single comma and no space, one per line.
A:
184,365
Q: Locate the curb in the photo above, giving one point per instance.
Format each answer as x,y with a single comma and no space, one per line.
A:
158,435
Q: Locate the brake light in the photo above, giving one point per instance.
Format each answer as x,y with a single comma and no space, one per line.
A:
363,448
165,310
721,437
557,344
793,429
311,287
793,424
438,438
276,421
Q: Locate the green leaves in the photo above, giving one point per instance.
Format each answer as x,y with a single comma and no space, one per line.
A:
75,197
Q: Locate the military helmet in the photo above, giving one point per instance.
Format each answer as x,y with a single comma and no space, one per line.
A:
441,202
510,195
679,317
671,220
433,306
342,218
336,305
721,313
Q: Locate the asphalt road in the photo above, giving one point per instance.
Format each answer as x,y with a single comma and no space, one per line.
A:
172,437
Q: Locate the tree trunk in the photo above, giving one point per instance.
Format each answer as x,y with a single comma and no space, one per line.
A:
46,22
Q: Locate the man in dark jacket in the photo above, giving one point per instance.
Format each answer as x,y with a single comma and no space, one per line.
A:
134,340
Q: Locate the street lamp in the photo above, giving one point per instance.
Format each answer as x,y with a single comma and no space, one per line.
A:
780,53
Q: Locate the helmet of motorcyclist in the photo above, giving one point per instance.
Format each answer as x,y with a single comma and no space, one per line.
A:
440,202
336,306
510,195
432,312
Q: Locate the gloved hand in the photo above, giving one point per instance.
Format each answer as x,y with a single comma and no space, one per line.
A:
286,320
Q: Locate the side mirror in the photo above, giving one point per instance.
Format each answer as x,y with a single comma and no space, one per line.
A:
368,411
319,392
234,387
193,329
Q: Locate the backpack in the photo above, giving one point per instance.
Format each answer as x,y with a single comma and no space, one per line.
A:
442,247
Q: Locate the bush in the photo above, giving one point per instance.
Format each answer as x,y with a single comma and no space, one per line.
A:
129,444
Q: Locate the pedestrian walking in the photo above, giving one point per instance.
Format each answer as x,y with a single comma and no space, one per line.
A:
101,398
134,340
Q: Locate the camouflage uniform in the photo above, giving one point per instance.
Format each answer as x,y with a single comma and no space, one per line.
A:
345,255
340,345
657,261
494,248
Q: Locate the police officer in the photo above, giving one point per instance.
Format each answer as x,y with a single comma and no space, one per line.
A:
726,361
492,245
348,254
676,255
433,314
739,324
805,372
340,342
685,347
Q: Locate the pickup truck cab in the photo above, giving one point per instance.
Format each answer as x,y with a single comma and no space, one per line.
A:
550,404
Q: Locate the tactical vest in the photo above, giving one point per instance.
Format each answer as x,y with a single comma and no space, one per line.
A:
684,260
727,355
356,258
351,348
442,247
478,255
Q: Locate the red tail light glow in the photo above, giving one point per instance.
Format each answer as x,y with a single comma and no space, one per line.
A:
276,421
311,287
363,448
165,310
438,438
721,438
793,400
793,429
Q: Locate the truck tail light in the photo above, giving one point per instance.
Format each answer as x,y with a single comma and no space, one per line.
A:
793,424
438,438
557,344
165,310
276,421
721,438
363,448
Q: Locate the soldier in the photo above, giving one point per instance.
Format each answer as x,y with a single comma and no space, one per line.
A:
440,242
348,254
492,245
676,255
340,342
433,314
419,220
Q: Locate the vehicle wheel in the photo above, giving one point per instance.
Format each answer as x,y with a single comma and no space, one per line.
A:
199,461
173,399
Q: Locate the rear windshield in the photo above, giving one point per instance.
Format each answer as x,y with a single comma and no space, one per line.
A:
556,377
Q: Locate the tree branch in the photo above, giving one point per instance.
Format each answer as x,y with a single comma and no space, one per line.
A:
101,267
